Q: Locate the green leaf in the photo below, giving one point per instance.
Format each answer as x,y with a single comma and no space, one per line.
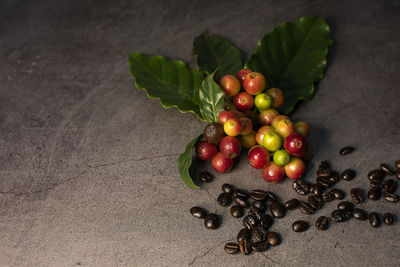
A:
214,52
170,81
211,99
185,160
292,57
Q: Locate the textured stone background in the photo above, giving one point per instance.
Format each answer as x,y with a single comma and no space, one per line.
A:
88,170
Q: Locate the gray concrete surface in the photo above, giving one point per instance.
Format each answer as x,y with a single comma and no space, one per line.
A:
88,170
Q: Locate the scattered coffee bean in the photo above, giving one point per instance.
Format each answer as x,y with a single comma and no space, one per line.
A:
212,221
393,198
388,218
255,213
348,175
324,173
374,219
260,246
328,196
345,205
259,195
241,201
271,196
236,211
306,208
206,177
314,202
300,226
386,169
317,190
261,205
334,177
324,182
397,164
378,184
376,174
277,209
322,223
242,193
244,233
224,199
273,238
249,222
346,150
245,246
198,212
390,186
397,173
374,193
292,204
267,221
301,187
339,194
340,215
357,195
231,248
259,233
324,165
228,188
360,214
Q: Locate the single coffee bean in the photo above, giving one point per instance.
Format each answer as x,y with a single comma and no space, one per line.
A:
271,196
322,223
259,195
328,196
255,213
348,174
306,208
388,218
249,222
317,190
386,169
245,246
334,177
378,184
242,193
374,219
224,199
339,194
340,215
397,164
360,214
376,174
228,188
390,186
231,248
301,187
212,221
300,226
267,221
206,177
397,174
277,209
374,193
314,202
273,238
292,204
236,211
261,205
324,165
324,173
324,182
244,233
393,198
357,195
241,201
260,246
345,205
198,212
259,233
346,150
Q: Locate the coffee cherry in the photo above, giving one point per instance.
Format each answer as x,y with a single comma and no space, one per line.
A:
213,133
262,131
295,168
284,127
272,141
205,150
278,119
254,83
230,84
242,73
273,173
224,116
263,101
295,144
281,157
258,157
248,140
247,126
232,127
230,147
243,101
267,116
302,128
221,163
277,97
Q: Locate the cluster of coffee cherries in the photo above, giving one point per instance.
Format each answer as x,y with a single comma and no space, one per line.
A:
250,120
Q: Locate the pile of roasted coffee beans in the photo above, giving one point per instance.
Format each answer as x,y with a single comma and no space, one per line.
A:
256,235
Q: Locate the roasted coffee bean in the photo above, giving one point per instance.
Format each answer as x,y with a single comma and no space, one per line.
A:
388,218
259,195
236,211
324,165
260,246
348,174
306,208
261,205
397,174
397,164
376,174
301,187
357,195
345,205
374,219
198,212
300,226
328,196
212,221
317,190
277,209
390,186
249,222
378,184
324,173
374,193
360,214
206,177
391,197
224,199
255,213
267,221
322,223
259,233
245,246
386,169
242,193
324,182
334,177
292,204
346,150
231,248
273,238
339,194
271,196
244,233
340,215
228,188
241,201
314,202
